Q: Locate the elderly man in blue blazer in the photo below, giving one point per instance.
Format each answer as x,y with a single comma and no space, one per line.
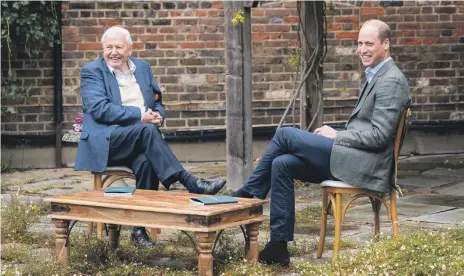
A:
361,154
122,106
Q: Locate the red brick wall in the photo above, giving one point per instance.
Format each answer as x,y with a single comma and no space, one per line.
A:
184,43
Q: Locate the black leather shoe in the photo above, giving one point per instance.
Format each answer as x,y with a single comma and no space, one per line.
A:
275,252
209,187
241,193
140,238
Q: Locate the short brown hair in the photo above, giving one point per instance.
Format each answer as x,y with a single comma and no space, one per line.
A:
382,27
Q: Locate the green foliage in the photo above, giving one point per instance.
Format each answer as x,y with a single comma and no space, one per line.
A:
24,27
17,217
6,185
90,255
42,268
301,247
343,244
294,59
420,253
309,214
29,24
5,166
15,252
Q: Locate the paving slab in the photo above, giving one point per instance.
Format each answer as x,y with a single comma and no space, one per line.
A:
454,190
6,198
57,186
435,199
420,181
459,173
405,210
455,216
32,176
428,162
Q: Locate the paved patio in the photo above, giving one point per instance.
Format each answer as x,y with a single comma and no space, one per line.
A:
434,199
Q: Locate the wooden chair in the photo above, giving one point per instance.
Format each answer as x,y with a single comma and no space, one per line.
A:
104,180
334,190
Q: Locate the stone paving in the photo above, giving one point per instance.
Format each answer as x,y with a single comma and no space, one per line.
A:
434,198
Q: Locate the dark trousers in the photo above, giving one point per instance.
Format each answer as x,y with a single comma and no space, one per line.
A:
291,154
142,148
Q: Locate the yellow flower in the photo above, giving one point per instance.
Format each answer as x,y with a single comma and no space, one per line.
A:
238,17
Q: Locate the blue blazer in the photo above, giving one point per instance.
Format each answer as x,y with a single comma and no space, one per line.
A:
103,110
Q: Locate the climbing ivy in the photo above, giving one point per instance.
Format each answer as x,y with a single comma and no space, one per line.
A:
25,26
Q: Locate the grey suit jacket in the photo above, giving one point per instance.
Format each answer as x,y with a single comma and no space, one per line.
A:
363,153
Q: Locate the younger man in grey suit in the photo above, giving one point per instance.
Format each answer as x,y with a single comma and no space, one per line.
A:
360,155
122,113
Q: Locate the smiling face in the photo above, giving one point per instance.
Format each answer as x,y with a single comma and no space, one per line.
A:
116,51
371,50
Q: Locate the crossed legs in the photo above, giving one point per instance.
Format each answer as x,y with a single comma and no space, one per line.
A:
291,154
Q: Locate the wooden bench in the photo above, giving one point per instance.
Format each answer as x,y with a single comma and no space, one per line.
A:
157,209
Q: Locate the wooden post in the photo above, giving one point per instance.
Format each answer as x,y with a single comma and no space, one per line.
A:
309,94
239,97
205,259
61,231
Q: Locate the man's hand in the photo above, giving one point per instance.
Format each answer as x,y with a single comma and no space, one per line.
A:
326,131
153,117
147,117
158,119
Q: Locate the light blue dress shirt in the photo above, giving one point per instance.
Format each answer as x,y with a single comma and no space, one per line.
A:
370,72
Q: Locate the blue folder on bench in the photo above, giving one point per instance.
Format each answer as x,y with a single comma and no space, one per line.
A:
212,200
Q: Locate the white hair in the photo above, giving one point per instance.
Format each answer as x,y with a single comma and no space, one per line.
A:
119,30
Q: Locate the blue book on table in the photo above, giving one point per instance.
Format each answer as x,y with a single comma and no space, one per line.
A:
119,191
212,200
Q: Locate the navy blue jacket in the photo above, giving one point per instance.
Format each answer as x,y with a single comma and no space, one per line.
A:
103,110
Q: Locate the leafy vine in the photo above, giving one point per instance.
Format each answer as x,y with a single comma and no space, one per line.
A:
25,26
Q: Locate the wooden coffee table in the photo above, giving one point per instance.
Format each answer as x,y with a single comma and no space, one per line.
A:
157,209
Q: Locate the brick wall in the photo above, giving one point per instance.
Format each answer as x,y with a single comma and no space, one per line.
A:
33,114
184,43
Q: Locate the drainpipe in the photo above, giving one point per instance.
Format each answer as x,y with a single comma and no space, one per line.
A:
58,66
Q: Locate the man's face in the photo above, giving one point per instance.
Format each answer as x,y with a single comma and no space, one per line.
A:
371,50
116,51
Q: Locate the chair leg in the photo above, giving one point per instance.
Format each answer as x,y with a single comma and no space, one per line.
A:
394,215
338,224
97,185
154,233
320,246
376,206
90,228
97,181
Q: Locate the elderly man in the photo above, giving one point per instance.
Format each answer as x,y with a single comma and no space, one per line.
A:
360,155
122,114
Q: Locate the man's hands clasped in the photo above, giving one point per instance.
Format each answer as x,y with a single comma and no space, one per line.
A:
153,117
326,131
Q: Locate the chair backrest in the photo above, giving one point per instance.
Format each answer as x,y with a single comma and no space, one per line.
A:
401,131
403,125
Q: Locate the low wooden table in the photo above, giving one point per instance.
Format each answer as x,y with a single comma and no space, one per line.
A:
157,209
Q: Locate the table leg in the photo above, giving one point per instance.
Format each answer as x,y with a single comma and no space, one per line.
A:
61,231
205,247
114,235
252,231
